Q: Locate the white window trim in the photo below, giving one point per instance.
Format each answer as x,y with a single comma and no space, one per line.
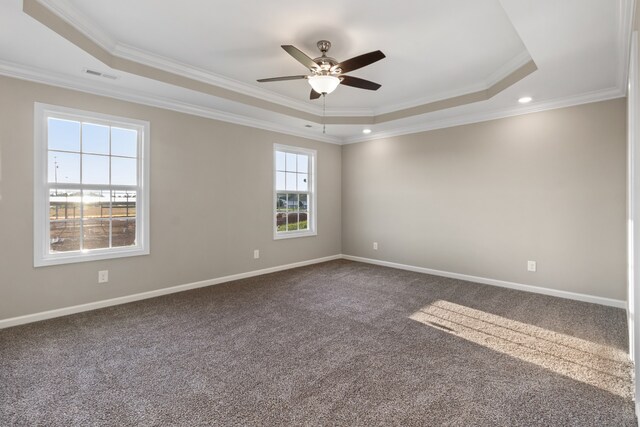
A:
313,230
41,255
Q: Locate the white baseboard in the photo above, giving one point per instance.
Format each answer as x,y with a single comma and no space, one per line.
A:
494,282
20,320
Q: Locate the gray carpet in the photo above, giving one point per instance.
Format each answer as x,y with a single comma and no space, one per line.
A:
339,343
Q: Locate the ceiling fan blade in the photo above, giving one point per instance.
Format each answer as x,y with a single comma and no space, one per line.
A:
300,56
314,95
359,61
359,83
279,79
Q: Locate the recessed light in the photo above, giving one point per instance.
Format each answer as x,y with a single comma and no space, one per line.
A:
525,100
366,131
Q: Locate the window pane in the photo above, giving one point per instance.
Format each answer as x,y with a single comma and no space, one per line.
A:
281,221
124,232
64,220
291,181
280,156
280,181
95,169
303,223
123,204
95,204
281,202
291,162
64,204
64,236
292,202
63,167
124,142
304,202
124,171
124,218
63,135
95,219
302,182
95,233
95,138
281,212
303,163
292,221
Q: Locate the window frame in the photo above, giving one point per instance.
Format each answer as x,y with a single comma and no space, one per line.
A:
312,197
41,236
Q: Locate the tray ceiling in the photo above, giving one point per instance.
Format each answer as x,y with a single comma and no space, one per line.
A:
572,50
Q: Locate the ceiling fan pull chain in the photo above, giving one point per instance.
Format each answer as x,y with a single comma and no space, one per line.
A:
324,113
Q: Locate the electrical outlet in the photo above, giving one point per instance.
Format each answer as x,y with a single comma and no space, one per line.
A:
103,276
375,246
531,266
256,253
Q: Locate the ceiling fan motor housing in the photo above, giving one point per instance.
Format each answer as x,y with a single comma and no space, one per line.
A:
325,63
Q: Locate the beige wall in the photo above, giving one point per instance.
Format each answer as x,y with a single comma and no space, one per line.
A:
482,199
205,223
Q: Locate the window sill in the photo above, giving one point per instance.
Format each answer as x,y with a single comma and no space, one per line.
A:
293,235
75,257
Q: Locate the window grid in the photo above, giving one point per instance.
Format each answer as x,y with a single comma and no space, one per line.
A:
294,203
87,188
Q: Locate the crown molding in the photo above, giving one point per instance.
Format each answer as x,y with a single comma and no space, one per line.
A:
502,73
442,96
595,96
625,29
96,88
65,10
133,54
508,68
93,87
205,76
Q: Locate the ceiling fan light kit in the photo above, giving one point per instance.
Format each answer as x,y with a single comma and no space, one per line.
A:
323,84
326,74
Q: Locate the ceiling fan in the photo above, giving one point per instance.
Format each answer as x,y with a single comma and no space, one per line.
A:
327,73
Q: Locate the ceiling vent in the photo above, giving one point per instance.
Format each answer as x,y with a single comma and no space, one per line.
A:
99,74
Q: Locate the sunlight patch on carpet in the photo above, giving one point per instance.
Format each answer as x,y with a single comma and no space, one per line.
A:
607,368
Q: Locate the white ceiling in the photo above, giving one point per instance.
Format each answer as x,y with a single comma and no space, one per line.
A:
434,50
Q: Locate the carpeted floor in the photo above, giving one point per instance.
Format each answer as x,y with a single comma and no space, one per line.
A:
339,343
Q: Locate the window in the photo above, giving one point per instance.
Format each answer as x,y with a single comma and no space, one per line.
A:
91,186
294,194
